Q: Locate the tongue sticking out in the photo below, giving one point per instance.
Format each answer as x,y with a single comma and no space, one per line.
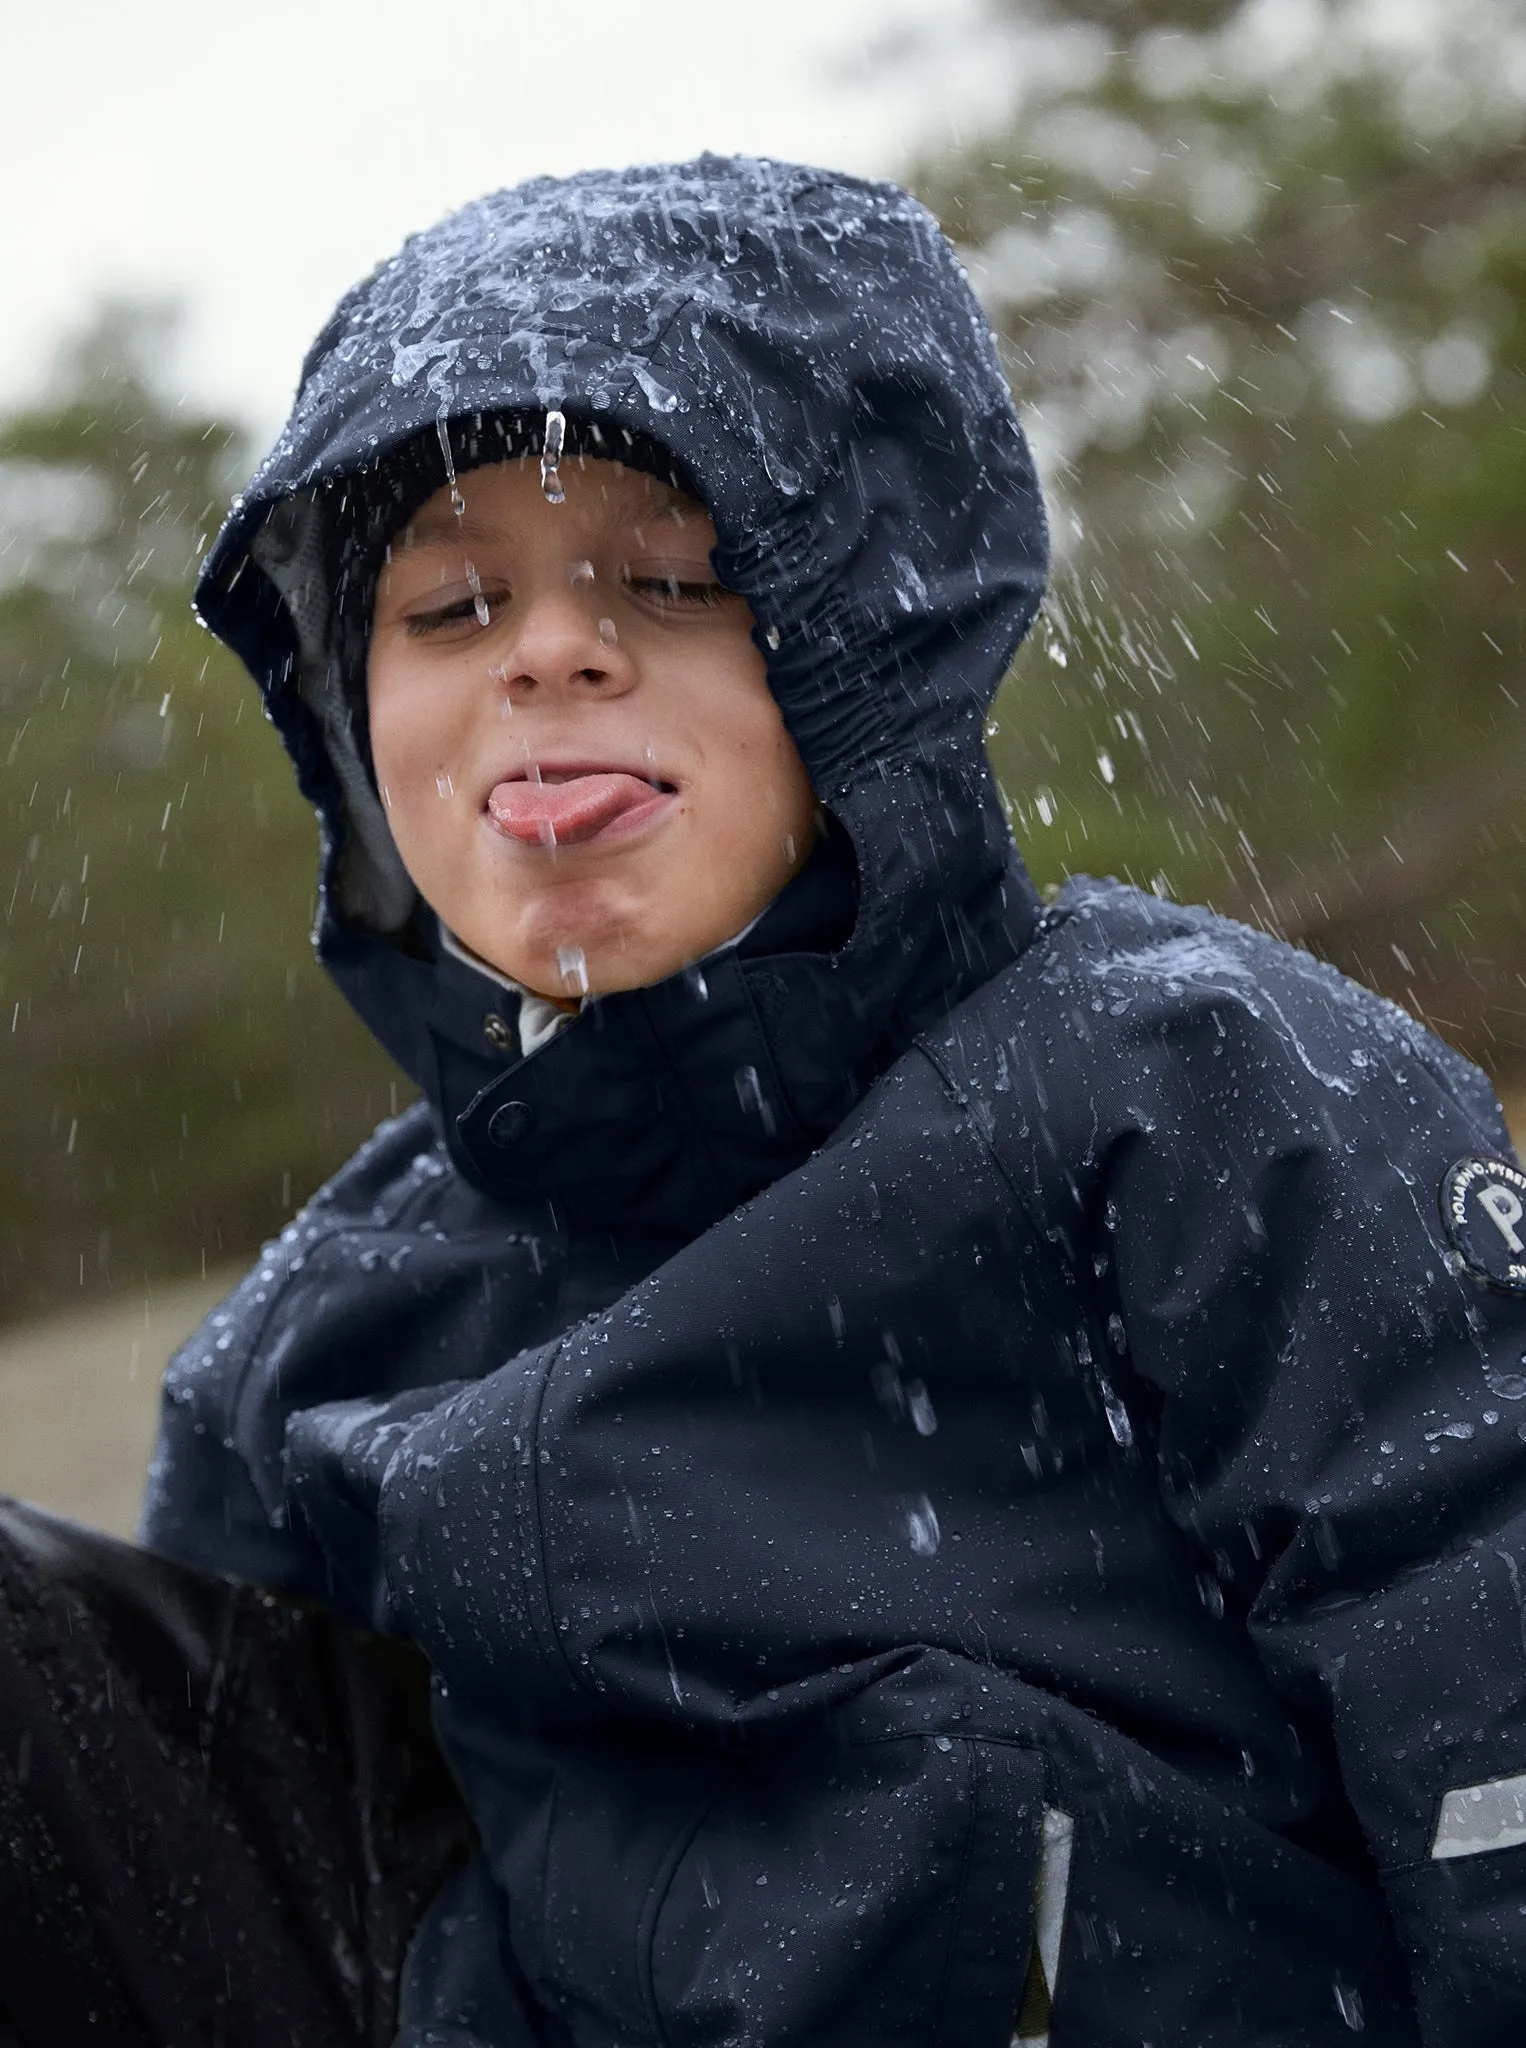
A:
566,813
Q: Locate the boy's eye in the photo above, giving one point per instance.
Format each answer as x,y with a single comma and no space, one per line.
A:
673,591
475,609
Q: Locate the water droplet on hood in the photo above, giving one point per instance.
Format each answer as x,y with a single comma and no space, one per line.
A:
657,396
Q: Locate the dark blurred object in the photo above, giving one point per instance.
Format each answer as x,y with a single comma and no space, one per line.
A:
178,1074
1260,273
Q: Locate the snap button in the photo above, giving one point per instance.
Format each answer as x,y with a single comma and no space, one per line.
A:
500,1033
510,1122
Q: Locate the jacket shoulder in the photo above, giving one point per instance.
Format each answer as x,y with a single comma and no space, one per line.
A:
1124,997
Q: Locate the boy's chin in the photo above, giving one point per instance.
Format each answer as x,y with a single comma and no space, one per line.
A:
599,939
576,962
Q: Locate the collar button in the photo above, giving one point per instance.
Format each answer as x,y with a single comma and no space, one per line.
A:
500,1033
510,1122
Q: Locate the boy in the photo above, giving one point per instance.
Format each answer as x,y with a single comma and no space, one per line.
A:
954,1463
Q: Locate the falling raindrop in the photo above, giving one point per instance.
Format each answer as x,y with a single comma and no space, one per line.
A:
572,966
1118,1422
922,1527
457,502
919,1406
479,602
750,1096
443,783
771,636
1348,2003
580,572
551,455
608,634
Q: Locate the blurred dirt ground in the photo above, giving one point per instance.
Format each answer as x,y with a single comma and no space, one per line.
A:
79,1399
79,1393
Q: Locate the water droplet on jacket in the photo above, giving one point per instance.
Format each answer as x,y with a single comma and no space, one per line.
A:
551,455
1510,1386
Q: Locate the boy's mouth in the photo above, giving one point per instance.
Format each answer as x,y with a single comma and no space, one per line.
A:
571,806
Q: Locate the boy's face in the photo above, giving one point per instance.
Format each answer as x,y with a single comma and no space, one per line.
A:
583,768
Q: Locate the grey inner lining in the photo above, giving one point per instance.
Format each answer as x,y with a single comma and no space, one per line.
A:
374,888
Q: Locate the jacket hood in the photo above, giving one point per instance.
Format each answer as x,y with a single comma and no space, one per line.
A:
807,350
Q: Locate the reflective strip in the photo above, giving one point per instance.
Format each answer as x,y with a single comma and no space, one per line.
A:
1479,1817
1052,1892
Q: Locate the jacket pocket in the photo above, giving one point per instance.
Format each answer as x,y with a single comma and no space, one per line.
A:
856,1889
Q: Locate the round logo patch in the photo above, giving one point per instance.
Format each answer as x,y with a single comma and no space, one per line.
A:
1483,1210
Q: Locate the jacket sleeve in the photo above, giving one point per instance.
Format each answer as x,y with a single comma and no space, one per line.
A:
204,1505
1291,1196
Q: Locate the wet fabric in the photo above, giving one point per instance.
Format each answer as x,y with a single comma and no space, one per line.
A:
221,1813
950,1476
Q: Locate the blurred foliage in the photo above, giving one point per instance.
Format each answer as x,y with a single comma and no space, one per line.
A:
178,1073
1259,273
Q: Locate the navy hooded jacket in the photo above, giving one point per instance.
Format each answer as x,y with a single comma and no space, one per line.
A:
959,1466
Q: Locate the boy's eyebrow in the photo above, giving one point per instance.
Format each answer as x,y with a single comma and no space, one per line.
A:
446,529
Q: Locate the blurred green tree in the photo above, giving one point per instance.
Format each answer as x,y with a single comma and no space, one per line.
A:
178,1072
1259,271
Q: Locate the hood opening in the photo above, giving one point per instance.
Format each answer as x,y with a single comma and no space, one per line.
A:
803,353
322,549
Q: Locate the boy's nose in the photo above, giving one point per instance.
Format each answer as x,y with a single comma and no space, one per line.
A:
562,642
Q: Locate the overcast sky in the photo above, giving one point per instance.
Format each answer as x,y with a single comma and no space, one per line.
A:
253,160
